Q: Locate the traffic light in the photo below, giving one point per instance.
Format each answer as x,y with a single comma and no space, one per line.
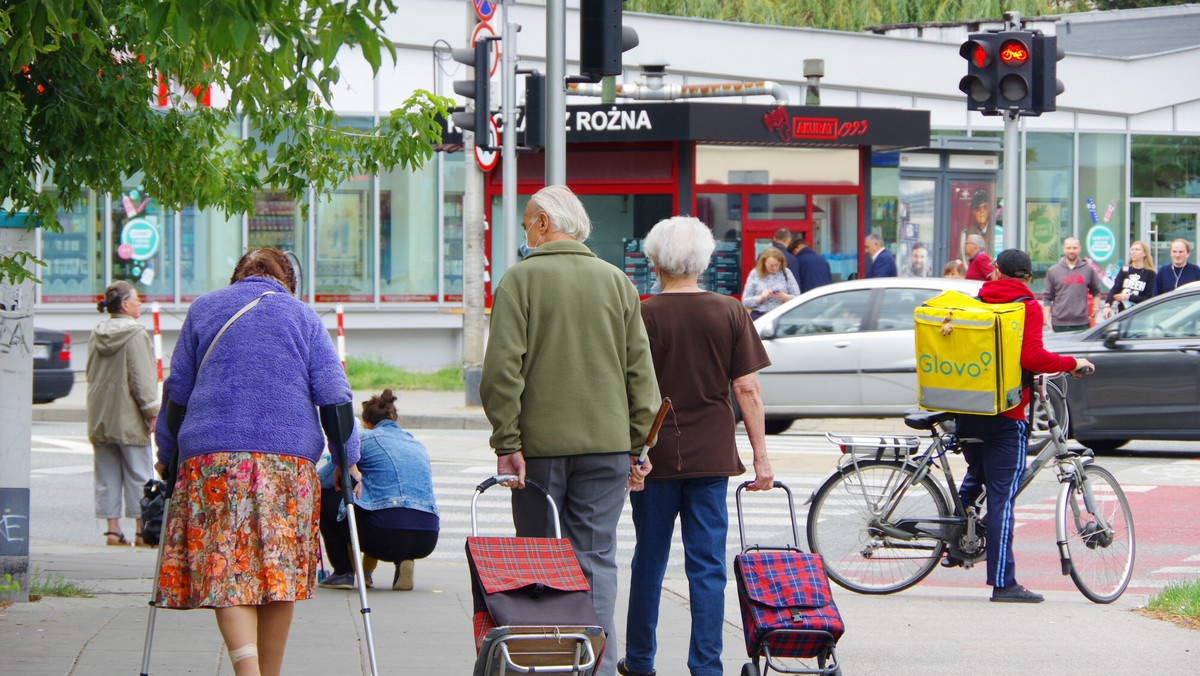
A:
476,88
979,84
1046,85
602,38
535,110
1014,68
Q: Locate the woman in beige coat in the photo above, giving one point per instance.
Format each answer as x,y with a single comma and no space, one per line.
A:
122,403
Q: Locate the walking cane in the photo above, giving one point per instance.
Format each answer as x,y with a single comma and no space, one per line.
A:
652,437
338,422
174,413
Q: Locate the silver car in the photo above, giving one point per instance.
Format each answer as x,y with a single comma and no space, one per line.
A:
846,349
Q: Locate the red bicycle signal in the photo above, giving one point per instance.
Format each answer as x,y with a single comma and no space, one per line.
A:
1014,53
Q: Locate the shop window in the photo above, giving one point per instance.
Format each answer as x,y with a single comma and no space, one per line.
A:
729,165
835,233
777,207
275,222
1048,180
143,244
452,227
74,271
1165,166
408,234
344,244
617,218
1102,218
210,245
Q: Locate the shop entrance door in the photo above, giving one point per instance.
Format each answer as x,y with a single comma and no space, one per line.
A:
758,235
1163,222
935,213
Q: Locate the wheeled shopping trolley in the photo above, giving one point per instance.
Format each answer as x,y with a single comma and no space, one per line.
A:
532,609
787,607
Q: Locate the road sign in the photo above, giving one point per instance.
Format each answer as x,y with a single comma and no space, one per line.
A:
486,159
485,9
484,30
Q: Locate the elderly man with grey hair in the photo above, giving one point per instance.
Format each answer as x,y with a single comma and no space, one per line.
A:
702,343
883,263
568,385
979,264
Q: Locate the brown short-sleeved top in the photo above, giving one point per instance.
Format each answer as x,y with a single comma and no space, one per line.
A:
700,342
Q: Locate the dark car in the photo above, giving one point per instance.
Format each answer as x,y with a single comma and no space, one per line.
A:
52,374
1147,379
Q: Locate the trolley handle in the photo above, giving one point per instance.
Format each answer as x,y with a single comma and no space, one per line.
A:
742,524
499,478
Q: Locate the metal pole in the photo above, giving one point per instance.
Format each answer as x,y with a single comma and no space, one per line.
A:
556,94
1012,192
508,112
474,241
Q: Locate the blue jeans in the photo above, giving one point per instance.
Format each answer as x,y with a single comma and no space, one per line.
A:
994,467
704,522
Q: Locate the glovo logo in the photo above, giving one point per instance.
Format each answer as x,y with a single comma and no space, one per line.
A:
972,369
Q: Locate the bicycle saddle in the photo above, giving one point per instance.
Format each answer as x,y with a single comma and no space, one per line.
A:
925,420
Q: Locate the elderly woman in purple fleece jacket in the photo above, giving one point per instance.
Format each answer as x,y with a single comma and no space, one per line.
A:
243,525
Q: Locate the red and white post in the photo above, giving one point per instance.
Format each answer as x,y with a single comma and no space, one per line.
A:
158,349
341,337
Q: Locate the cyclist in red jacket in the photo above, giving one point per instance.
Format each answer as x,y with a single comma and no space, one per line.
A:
996,463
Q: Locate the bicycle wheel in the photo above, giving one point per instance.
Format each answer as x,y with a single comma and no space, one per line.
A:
1101,559
859,556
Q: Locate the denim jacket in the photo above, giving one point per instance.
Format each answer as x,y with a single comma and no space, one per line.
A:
395,469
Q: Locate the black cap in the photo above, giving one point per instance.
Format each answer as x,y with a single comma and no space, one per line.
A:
1014,263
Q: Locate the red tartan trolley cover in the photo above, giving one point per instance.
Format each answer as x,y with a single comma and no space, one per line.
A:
504,564
786,590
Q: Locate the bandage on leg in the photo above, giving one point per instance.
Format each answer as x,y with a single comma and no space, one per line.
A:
245,652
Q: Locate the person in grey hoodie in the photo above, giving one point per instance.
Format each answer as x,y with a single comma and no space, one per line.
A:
122,404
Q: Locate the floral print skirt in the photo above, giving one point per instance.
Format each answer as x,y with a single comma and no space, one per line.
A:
241,531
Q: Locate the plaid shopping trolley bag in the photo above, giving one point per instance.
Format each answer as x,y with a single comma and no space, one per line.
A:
787,607
532,610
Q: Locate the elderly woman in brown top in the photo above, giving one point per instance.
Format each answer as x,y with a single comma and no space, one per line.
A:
122,403
703,344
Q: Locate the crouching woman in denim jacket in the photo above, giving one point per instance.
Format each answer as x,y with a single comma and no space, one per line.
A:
396,512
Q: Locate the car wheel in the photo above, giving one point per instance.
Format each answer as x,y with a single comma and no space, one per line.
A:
778,425
1104,445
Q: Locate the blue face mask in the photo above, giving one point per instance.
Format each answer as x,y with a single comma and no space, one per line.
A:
524,250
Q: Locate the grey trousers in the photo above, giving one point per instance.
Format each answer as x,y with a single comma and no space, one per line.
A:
120,470
589,491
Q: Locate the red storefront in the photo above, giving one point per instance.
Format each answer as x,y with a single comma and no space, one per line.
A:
745,170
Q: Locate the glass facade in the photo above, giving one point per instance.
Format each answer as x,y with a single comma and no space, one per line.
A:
1102,218
1049,177
142,240
74,258
210,244
1166,166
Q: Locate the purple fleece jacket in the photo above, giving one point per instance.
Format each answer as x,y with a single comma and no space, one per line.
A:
260,387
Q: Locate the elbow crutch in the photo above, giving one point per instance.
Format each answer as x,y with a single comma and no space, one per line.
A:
338,422
174,413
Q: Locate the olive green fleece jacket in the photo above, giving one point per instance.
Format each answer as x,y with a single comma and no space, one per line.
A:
122,393
568,369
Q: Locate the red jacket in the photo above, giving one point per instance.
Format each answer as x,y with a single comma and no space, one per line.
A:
980,267
1034,356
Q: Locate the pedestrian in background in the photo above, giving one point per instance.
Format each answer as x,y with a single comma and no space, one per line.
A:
883,263
703,345
568,386
1067,287
1179,272
979,264
122,403
814,269
769,285
954,270
394,504
783,242
241,533
1134,283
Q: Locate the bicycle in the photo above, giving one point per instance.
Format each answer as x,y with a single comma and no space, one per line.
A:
881,521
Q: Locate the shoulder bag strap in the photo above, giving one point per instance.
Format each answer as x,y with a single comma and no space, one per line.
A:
245,308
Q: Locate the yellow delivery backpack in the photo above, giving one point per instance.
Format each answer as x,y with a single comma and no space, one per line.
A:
969,354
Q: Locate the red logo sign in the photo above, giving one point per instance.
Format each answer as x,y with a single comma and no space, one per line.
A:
817,128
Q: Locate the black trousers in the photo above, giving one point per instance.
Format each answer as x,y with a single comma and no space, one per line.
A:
383,544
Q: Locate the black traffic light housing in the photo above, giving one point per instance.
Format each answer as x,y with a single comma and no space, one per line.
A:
602,38
477,57
535,111
1046,85
979,84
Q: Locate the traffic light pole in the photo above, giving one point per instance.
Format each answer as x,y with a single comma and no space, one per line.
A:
1012,192
556,92
508,113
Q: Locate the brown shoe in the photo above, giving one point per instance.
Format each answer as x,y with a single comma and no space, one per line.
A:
115,539
403,581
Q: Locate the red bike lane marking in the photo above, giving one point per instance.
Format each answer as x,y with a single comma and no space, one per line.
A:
1167,540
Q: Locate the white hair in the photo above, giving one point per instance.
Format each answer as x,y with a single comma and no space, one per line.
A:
978,241
680,246
565,211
